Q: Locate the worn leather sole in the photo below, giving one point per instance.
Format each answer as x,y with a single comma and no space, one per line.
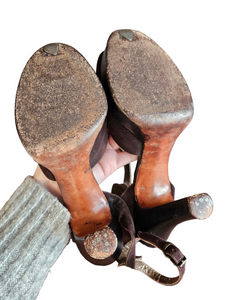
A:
149,106
60,112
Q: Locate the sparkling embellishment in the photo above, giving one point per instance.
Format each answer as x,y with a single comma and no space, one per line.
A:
104,242
200,206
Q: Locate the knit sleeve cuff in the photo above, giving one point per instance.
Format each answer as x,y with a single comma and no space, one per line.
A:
34,230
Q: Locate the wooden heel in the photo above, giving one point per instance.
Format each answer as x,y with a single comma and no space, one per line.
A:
152,187
60,111
83,197
104,246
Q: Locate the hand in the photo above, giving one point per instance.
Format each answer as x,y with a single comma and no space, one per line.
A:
112,160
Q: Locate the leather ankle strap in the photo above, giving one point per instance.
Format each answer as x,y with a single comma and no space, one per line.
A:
169,250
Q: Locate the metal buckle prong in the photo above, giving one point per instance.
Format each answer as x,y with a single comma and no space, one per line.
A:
182,262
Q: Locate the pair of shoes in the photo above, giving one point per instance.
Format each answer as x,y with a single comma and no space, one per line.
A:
63,112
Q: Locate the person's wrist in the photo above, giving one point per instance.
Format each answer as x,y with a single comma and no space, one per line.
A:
50,185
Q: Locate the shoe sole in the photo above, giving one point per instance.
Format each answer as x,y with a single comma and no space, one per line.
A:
60,110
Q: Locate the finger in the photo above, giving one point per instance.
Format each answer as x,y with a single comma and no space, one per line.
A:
124,158
50,185
113,144
98,173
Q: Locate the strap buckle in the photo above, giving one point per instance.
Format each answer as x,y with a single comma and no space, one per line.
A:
174,254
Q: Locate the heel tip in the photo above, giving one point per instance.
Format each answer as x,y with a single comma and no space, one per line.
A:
101,244
200,206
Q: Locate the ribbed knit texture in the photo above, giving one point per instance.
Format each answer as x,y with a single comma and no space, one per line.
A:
34,231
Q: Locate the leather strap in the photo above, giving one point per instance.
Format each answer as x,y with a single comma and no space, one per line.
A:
169,250
126,222
47,173
118,188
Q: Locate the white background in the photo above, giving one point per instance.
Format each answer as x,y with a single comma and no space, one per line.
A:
192,33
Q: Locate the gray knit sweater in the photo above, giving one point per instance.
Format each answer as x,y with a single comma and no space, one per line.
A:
34,231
